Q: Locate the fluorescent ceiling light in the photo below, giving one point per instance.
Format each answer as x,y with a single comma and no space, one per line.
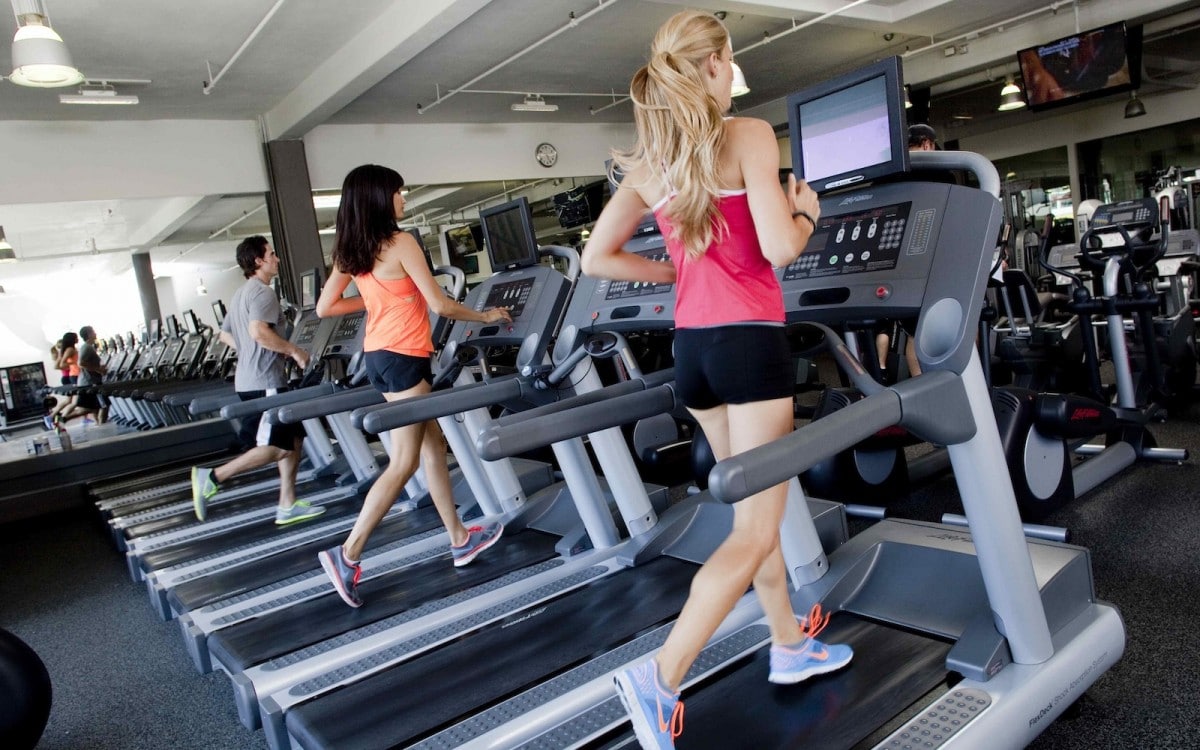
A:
97,95
327,201
534,103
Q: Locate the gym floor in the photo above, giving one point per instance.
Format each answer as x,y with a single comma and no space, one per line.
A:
123,680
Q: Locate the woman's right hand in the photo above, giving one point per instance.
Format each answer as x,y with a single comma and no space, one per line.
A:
497,315
801,197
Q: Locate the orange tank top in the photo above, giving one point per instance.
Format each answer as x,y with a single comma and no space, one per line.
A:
397,316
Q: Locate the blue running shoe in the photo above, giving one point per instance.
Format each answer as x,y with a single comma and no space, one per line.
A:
656,713
479,538
343,574
204,488
798,662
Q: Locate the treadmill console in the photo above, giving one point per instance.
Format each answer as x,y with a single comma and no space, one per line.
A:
622,306
535,296
346,338
856,242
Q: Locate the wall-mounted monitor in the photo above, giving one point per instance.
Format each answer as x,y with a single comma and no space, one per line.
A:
509,236
218,309
579,205
1087,65
310,286
850,129
464,240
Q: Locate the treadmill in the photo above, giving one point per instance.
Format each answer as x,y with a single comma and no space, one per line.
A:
624,602
964,638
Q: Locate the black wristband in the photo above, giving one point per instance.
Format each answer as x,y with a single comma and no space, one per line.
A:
806,215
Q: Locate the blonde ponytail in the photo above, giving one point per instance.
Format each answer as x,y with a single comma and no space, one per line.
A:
680,126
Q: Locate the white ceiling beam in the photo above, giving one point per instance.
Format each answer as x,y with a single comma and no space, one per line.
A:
871,13
398,35
171,215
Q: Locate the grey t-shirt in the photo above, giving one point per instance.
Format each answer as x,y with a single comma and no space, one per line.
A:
258,368
89,365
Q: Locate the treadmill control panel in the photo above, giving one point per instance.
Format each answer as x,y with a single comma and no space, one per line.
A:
511,294
347,335
603,305
616,290
859,242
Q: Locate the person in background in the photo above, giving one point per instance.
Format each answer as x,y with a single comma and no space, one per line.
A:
66,359
250,328
397,290
91,374
713,185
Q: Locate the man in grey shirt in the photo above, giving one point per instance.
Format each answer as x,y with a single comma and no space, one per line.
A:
250,328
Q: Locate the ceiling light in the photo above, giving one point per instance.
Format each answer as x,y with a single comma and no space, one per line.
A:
39,56
739,87
1134,107
327,201
534,103
103,94
907,101
1010,97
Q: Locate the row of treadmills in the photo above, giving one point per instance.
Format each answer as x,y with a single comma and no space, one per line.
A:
964,638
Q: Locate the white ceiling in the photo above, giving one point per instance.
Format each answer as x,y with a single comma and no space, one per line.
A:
317,62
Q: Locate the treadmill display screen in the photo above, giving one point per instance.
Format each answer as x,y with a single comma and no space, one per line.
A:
632,289
347,327
308,331
853,243
511,294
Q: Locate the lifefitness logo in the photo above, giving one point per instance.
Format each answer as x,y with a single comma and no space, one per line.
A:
855,199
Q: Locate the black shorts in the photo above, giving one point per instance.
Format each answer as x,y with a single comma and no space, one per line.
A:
88,400
253,431
395,373
734,364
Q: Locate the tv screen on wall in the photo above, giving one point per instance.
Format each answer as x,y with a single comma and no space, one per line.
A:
1082,66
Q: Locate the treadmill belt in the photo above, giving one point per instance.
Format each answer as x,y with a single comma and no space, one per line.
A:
251,642
892,669
249,533
294,561
184,494
187,517
411,700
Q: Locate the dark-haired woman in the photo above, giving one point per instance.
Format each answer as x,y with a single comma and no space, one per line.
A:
397,290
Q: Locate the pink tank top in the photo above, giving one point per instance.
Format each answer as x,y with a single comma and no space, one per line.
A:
732,282
397,317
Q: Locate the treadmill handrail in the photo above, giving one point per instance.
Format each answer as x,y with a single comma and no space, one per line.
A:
755,470
244,408
355,398
384,417
210,403
498,441
635,385
984,170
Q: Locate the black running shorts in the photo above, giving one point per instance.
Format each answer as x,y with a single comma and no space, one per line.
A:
254,431
734,364
395,373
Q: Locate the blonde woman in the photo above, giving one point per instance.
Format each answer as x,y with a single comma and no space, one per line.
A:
713,185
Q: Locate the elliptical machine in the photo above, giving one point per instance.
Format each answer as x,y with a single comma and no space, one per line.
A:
1039,430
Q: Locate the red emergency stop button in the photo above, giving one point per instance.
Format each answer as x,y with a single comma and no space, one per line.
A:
882,292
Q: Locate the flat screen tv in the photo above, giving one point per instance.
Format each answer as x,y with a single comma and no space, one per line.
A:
1087,65
464,240
509,236
850,129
